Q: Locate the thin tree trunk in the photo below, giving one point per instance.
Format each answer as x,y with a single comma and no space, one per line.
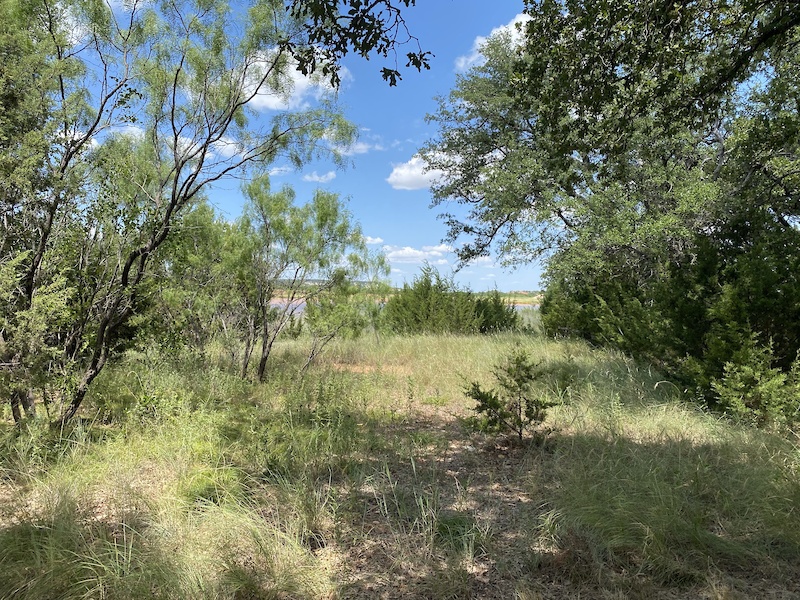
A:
28,403
15,407
249,343
266,348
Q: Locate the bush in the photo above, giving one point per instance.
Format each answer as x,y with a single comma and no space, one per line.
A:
435,304
753,389
521,402
495,314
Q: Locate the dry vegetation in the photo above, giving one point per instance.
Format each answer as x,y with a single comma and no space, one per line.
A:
362,481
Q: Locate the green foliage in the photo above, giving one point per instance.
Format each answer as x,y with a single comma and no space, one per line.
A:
754,390
363,27
434,304
680,63
191,297
520,402
316,433
495,314
669,225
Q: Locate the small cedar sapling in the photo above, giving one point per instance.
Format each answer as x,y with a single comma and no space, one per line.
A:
518,404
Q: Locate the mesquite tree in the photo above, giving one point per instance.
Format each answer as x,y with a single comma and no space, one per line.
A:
295,256
117,117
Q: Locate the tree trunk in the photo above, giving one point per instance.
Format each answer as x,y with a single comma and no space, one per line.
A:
267,340
98,362
266,347
75,403
249,343
15,407
28,402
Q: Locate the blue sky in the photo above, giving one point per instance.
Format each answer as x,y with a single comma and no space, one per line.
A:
383,184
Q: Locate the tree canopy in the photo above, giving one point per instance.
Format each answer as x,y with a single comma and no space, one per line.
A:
115,118
649,152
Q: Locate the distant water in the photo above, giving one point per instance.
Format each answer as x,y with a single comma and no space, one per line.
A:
525,306
300,305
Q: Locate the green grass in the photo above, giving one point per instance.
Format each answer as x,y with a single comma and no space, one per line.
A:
361,480
672,494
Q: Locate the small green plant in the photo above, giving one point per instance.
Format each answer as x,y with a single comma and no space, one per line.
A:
460,534
753,389
519,404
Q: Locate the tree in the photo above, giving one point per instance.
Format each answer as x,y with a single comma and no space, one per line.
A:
365,27
192,303
431,304
117,119
648,151
299,257
435,304
520,401
494,164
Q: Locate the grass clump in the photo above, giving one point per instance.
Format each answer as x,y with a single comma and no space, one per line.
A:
147,516
460,534
673,493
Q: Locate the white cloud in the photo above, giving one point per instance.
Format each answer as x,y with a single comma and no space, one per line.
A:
74,31
359,148
133,131
317,178
278,171
475,57
296,90
412,175
186,146
227,147
482,261
441,249
440,255
435,255
373,240
127,6
369,142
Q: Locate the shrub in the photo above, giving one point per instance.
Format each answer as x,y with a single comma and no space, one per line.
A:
435,304
495,314
753,389
522,399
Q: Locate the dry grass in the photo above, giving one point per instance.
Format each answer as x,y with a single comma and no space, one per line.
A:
361,481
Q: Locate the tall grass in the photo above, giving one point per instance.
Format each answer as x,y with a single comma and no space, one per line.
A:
158,510
652,486
360,479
